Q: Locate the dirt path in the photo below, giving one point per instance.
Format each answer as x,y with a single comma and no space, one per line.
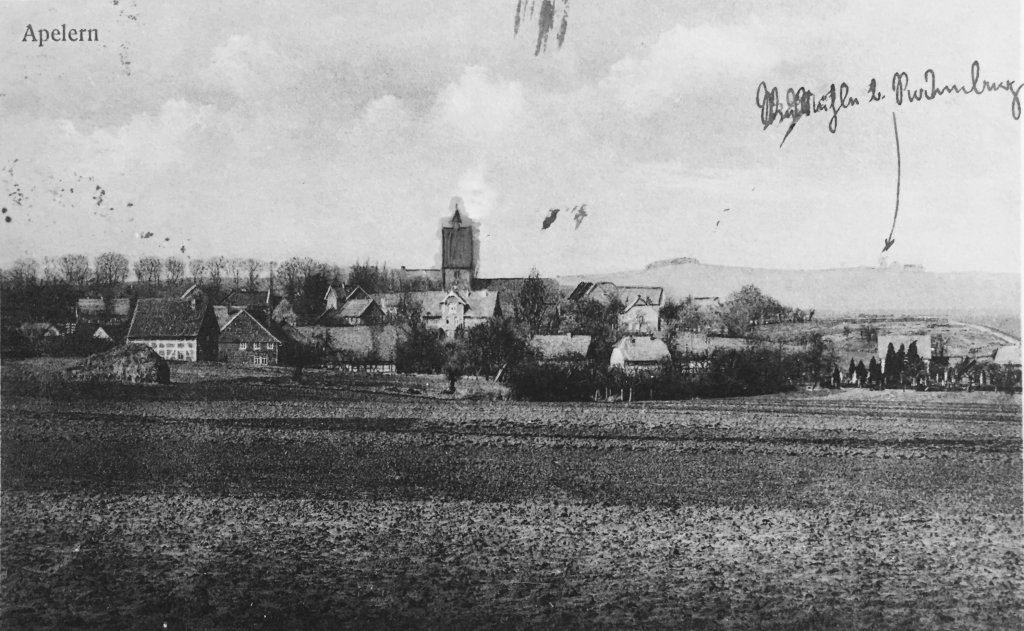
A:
1009,339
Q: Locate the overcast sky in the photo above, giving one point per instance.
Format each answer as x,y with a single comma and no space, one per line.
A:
341,131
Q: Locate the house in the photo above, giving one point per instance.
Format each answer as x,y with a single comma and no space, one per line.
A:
362,348
181,329
103,309
450,311
245,340
639,353
457,311
561,348
338,295
109,332
261,301
641,305
357,309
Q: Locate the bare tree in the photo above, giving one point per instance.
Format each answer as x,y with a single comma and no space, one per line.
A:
74,269
197,267
51,270
272,275
252,268
175,269
291,276
148,269
216,266
235,267
111,268
24,272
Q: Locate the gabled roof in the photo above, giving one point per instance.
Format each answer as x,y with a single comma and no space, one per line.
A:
627,294
244,327
246,298
643,349
508,288
561,347
356,307
632,293
355,341
480,304
169,317
357,293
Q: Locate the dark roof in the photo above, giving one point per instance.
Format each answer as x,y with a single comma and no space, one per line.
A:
353,341
561,347
244,327
169,317
356,307
508,288
246,298
627,294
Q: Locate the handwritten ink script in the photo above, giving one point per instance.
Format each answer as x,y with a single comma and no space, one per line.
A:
802,102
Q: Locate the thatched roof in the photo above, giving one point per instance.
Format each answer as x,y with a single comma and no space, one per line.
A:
643,349
353,341
688,343
561,347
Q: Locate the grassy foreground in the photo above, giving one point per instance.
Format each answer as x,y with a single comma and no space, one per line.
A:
250,502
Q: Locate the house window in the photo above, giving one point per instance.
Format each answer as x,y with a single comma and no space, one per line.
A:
259,360
269,346
242,346
255,346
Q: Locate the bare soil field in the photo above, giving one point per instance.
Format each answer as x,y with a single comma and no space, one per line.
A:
243,500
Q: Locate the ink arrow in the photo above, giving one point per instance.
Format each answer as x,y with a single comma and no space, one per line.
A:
889,241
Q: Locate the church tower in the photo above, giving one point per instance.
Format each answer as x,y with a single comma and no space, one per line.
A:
457,250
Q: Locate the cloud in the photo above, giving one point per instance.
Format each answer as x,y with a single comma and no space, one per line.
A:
688,61
479,197
243,63
478,105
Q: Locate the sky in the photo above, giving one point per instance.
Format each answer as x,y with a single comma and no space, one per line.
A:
341,131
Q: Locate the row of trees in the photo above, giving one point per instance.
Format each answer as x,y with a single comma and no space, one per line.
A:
111,269
738,316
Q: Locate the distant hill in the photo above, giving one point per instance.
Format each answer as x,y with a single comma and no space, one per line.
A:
844,291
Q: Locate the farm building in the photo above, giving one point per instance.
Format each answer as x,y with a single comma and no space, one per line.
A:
182,329
109,332
449,311
353,312
103,310
365,348
255,301
245,340
639,352
641,306
561,348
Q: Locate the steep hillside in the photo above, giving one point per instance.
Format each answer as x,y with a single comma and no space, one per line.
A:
847,291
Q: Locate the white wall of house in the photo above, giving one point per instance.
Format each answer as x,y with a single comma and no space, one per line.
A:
641,318
175,350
